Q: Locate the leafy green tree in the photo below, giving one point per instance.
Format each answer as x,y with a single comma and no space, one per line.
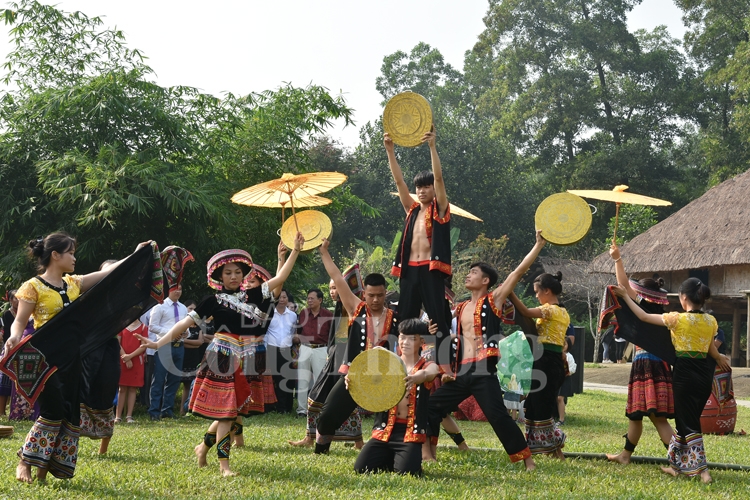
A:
91,145
586,102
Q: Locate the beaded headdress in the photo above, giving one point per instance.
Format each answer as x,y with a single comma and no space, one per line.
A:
233,256
649,295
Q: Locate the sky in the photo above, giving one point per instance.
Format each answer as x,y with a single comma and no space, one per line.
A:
244,46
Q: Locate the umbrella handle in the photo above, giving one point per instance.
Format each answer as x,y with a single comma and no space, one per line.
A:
294,215
617,217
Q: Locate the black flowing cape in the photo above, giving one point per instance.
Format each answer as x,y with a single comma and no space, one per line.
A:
131,289
655,339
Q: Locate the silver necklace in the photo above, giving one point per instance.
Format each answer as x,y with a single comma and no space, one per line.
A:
377,320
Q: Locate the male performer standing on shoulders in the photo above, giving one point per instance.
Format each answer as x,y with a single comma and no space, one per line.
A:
423,258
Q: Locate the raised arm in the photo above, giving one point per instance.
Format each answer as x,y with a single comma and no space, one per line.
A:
529,312
654,319
281,251
173,334
346,296
503,291
92,279
403,190
437,172
622,277
286,269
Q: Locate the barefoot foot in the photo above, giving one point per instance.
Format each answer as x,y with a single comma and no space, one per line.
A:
530,464
201,451
463,446
359,444
558,453
225,470
23,473
706,477
620,458
239,441
302,443
41,474
669,471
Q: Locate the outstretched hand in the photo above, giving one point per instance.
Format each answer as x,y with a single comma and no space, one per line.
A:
620,291
299,241
430,137
388,142
724,363
142,244
614,252
145,342
324,246
539,238
281,250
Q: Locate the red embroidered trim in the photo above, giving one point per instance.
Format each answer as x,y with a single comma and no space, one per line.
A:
521,455
417,263
437,265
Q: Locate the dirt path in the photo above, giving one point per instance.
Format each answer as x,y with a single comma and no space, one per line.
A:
618,375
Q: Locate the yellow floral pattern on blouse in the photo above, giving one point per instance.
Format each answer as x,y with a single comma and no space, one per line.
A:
553,324
691,332
47,300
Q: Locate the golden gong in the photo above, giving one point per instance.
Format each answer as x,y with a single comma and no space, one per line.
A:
313,225
564,218
406,118
376,379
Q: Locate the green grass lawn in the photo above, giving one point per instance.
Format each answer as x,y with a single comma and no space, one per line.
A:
155,460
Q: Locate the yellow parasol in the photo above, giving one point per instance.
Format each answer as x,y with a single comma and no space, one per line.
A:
618,196
310,201
288,189
455,210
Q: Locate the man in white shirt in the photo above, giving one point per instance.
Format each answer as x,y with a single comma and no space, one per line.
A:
279,353
168,359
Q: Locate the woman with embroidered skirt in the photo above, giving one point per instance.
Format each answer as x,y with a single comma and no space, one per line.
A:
52,443
236,356
650,387
543,435
692,334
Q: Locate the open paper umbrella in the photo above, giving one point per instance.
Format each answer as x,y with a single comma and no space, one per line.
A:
288,189
618,195
310,201
455,210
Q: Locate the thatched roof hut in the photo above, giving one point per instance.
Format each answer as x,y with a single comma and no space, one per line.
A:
713,230
710,239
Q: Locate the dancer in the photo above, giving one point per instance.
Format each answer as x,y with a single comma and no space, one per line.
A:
222,389
475,355
543,435
398,434
52,443
423,257
351,429
371,324
650,386
692,335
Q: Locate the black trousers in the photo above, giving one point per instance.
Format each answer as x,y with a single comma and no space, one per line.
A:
692,380
421,287
144,395
337,408
392,456
542,400
486,389
284,376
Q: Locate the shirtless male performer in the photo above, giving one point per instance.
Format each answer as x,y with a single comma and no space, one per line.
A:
423,258
475,352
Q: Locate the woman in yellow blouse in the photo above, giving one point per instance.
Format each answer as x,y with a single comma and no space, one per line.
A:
692,336
552,320
52,443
